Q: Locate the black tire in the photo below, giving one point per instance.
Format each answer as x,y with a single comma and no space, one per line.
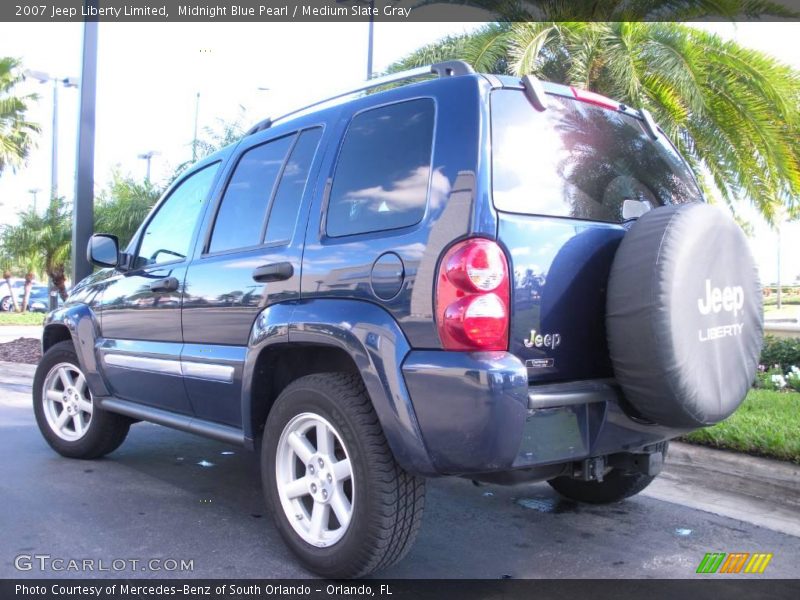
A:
387,501
6,304
106,431
616,485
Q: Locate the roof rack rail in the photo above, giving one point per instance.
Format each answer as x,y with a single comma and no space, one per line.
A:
450,68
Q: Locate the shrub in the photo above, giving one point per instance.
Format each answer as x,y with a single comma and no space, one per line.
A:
793,379
784,352
770,379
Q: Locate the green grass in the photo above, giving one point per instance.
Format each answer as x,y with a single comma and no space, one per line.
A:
772,301
767,424
12,318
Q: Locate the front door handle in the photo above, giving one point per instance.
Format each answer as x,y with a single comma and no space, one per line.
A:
168,284
273,272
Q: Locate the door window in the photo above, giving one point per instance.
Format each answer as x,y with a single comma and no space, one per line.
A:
168,235
285,206
240,219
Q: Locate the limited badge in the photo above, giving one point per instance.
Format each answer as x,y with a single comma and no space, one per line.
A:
540,363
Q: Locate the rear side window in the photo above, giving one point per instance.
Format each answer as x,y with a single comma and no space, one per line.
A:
285,206
578,160
381,179
240,219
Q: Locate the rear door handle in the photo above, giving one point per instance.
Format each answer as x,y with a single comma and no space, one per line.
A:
273,272
168,284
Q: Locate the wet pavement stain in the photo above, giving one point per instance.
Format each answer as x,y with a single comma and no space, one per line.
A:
549,505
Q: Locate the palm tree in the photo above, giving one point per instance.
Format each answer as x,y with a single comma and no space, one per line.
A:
16,133
41,243
123,206
734,113
26,294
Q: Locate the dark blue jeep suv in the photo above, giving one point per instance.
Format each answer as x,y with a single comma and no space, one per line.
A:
472,275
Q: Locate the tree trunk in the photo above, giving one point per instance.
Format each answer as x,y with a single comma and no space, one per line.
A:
7,277
26,296
59,281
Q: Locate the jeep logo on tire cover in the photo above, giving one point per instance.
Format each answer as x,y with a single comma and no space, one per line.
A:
728,299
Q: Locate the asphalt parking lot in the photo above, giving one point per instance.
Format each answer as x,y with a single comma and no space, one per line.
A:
170,495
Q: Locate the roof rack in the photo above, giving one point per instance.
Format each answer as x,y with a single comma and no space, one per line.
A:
450,68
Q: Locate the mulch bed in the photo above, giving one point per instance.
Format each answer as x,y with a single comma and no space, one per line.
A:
22,350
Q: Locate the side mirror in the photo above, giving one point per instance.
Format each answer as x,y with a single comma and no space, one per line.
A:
103,250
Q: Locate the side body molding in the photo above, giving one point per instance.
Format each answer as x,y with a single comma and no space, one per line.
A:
80,320
377,346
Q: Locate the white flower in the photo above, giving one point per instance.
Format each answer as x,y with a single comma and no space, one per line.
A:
779,381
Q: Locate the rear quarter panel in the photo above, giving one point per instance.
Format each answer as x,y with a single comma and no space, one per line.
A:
341,267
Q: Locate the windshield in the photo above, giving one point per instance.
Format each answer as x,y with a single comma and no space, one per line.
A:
579,160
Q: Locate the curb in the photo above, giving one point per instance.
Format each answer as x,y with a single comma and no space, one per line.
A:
761,491
767,471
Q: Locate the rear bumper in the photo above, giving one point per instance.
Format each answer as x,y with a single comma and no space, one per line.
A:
477,414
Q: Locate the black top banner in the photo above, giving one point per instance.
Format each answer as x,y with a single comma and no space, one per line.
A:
397,589
151,11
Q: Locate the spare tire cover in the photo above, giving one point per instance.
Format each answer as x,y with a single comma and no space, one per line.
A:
684,316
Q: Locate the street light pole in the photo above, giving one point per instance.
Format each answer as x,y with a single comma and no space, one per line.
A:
33,193
779,266
148,156
54,151
196,114
371,38
83,208
66,82
371,33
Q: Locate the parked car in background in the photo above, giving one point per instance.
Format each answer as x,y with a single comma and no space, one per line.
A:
38,300
17,287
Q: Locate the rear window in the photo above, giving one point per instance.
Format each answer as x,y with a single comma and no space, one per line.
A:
578,160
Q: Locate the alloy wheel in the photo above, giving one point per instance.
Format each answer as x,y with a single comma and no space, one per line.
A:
68,404
315,480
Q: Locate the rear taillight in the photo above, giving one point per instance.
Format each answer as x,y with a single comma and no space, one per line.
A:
472,297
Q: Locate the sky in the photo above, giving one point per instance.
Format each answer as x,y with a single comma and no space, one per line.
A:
149,76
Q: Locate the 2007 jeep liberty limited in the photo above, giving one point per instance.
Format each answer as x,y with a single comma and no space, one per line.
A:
472,275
